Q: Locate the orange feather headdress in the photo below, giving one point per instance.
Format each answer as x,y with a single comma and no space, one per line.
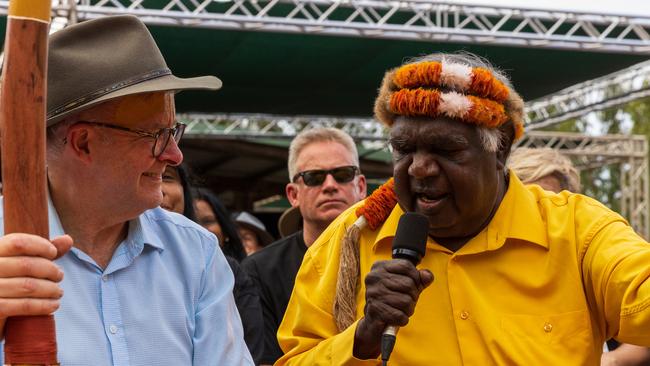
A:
448,89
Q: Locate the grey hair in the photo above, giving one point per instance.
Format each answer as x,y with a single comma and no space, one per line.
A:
320,134
491,138
56,135
531,165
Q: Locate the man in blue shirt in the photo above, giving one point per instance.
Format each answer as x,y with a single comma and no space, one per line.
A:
142,286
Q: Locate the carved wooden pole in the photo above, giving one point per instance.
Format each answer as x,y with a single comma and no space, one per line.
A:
28,340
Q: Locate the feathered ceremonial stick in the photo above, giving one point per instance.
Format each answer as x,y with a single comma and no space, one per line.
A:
28,340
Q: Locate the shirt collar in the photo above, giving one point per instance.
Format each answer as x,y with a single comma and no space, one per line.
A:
516,218
140,230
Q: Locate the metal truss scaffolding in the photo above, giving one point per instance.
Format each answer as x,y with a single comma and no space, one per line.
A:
419,20
593,95
430,20
272,126
629,153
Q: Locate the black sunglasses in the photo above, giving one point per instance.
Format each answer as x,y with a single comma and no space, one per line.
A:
161,137
342,174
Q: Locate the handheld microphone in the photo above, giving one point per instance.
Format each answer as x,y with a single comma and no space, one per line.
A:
410,243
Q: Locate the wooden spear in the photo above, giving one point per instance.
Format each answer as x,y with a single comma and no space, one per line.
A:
28,340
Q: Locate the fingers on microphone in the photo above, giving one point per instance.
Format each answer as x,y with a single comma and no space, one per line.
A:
387,313
402,285
426,278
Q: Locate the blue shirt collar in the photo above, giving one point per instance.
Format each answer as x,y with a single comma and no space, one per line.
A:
140,232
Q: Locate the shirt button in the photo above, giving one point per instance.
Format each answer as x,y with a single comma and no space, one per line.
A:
105,278
464,315
548,327
113,329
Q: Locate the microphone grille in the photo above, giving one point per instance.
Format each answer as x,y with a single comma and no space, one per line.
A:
412,232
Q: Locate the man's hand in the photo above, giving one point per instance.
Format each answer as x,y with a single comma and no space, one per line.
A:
392,291
28,276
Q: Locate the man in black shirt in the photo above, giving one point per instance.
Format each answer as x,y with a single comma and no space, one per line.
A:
325,181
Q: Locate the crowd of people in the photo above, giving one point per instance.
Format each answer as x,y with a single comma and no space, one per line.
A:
147,267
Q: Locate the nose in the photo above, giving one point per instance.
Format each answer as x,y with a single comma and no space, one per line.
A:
172,154
423,165
330,184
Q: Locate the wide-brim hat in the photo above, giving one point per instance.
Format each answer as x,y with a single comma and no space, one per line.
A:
107,58
244,219
290,221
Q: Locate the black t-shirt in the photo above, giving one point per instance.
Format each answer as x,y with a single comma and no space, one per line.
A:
274,270
249,308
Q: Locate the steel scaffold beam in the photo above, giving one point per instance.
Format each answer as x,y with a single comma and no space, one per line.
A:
593,95
425,20
273,126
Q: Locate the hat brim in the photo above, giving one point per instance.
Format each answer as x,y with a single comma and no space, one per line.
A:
290,221
163,83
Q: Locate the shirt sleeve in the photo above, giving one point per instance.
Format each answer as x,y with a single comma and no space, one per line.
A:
308,333
616,269
218,335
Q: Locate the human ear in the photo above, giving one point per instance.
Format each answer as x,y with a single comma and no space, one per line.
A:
78,140
291,191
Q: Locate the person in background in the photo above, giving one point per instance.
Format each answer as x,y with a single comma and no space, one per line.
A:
142,286
214,216
555,172
325,180
252,232
545,167
177,192
178,197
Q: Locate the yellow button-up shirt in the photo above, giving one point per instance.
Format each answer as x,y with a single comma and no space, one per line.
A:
545,283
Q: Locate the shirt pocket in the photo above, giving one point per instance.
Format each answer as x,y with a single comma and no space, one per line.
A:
553,329
554,339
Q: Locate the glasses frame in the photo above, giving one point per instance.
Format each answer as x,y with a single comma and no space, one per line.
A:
175,132
326,172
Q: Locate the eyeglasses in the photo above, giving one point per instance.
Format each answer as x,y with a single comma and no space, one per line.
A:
161,137
342,174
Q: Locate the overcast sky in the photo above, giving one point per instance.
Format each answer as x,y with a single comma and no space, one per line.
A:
619,7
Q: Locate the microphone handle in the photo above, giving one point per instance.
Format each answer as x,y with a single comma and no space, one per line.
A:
388,339
391,330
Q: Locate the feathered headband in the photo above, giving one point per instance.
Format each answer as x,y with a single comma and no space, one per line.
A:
446,89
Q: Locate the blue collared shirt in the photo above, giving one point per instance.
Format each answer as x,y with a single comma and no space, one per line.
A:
165,298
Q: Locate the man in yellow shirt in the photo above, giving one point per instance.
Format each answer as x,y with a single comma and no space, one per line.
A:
522,276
